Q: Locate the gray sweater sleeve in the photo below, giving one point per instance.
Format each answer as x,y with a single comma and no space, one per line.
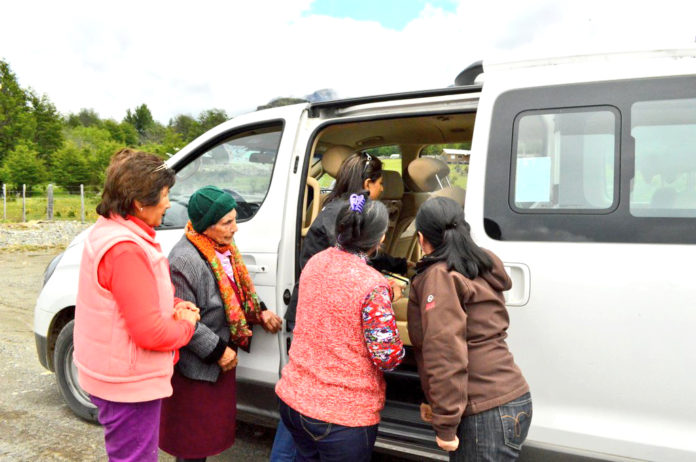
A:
204,342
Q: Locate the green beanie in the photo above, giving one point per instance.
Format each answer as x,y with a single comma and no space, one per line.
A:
207,205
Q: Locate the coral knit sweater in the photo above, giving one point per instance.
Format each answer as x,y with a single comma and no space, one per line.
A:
330,375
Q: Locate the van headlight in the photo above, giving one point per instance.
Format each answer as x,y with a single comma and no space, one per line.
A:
52,267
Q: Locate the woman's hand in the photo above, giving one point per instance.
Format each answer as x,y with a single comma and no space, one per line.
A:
426,412
448,445
228,361
187,315
397,289
271,322
186,306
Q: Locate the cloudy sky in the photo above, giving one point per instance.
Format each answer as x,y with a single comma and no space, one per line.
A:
184,56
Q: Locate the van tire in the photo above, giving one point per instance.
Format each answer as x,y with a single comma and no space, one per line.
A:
66,375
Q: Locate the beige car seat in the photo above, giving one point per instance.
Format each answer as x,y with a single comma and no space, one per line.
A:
425,175
331,162
391,197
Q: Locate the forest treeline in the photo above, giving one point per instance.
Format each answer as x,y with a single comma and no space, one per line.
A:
39,145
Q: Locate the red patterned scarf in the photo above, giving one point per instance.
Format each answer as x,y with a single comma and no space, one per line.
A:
240,312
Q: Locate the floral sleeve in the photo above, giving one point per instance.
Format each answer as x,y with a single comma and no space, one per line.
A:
379,328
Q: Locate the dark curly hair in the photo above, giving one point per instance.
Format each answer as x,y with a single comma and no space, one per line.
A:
133,175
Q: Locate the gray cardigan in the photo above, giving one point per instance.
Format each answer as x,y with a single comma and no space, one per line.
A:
194,281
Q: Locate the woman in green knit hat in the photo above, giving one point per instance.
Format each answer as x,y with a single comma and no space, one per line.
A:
207,269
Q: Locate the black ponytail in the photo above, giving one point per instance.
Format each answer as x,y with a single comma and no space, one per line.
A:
361,232
441,221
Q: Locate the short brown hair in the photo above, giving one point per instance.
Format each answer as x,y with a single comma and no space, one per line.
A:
133,175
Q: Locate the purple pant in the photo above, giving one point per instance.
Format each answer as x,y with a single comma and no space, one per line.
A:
131,430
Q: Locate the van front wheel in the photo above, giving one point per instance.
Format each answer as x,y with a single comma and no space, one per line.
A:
66,375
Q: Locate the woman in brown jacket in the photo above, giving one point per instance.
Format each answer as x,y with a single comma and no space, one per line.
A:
479,402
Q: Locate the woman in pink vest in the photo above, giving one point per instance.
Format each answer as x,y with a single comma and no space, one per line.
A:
332,389
128,325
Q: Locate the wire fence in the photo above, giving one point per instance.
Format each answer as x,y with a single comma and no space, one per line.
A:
47,202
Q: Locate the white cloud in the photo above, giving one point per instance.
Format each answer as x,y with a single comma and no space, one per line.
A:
180,57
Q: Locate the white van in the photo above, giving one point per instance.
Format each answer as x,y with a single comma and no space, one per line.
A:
582,178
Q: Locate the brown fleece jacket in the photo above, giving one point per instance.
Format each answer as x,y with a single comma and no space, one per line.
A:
458,328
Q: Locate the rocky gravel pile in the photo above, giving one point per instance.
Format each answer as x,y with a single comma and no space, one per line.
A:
39,234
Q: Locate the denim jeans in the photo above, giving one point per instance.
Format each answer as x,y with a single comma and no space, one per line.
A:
317,440
495,435
283,445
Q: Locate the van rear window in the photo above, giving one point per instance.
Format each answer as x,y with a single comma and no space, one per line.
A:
665,158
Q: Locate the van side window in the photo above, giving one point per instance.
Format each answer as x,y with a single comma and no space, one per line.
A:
241,165
564,160
665,158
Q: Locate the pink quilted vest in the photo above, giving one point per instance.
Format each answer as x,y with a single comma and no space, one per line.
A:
110,365
330,375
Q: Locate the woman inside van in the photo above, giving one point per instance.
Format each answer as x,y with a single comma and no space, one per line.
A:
332,389
478,401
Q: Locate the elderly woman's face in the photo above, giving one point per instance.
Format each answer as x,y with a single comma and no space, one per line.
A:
152,214
223,231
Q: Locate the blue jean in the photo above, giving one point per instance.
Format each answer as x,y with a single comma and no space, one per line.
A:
284,449
495,435
317,440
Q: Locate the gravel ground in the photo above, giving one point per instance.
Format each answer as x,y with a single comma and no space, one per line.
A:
39,234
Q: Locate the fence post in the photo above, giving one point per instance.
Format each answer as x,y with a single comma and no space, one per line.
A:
24,203
4,201
49,207
82,203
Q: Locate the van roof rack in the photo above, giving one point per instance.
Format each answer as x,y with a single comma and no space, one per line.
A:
315,108
468,75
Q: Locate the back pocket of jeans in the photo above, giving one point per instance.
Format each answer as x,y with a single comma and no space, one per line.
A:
316,429
516,418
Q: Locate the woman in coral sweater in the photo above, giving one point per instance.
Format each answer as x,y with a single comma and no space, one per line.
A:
332,389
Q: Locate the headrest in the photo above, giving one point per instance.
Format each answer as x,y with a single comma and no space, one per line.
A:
424,173
453,192
333,158
393,185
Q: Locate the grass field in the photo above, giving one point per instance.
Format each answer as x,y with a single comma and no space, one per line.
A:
65,207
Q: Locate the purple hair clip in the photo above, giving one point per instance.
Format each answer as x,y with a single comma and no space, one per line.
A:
357,202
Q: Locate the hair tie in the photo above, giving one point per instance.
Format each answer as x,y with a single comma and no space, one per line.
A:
357,202
452,225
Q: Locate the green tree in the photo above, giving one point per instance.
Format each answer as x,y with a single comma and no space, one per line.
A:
71,167
141,119
211,118
123,132
85,118
48,126
16,122
98,146
186,126
23,166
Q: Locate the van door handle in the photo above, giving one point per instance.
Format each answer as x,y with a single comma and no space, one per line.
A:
521,279
256,268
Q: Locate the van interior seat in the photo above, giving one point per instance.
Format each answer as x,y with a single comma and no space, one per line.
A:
391,197
331,162
425,175
400,307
